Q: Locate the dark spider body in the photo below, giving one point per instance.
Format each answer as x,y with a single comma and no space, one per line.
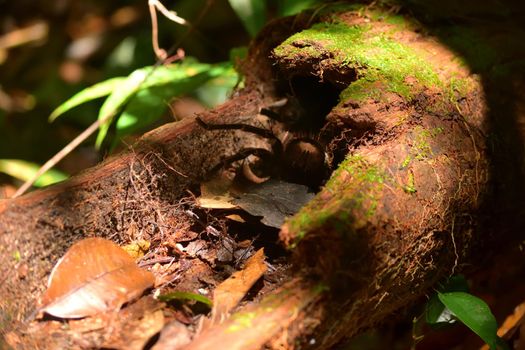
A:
292,158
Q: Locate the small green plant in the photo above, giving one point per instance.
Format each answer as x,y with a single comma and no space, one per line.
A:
452,303
185,296
138,100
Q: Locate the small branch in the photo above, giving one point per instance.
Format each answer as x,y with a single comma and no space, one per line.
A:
171,15
161,54
61,154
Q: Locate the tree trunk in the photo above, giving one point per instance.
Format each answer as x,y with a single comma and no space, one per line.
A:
404,125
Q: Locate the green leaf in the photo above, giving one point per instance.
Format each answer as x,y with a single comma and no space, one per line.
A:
474,313
118,99
292,7
123,55
436,314
185,296
252,14
175,79
219,89
101,89
144,110
147,107
24,170
151,103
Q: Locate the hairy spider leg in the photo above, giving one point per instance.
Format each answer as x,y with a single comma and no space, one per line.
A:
259,152
237,126
264,155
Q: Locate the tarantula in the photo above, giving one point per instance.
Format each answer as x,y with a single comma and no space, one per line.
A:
298,159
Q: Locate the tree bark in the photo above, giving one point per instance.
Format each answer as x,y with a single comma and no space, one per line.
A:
403,122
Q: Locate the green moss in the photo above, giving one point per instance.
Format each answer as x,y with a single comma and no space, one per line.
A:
360,90
366,183
396,20
458,87
351,204
375,57
242,321
436,131
406,161
411,184
17,256
305,219
421,148
359,169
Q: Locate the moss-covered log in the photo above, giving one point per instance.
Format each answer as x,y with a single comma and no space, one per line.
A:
400,211
404,123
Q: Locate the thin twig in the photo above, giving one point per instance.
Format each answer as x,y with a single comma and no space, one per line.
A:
161,260
60,155
171,15
161,54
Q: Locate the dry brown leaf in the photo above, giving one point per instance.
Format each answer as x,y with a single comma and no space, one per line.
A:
512,322
215,193
95,275
216,201
137,248
235,217
230,292
273,200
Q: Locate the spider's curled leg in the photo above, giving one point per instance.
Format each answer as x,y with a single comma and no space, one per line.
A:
263,154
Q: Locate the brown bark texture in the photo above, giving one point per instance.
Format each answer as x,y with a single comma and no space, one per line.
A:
404,123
